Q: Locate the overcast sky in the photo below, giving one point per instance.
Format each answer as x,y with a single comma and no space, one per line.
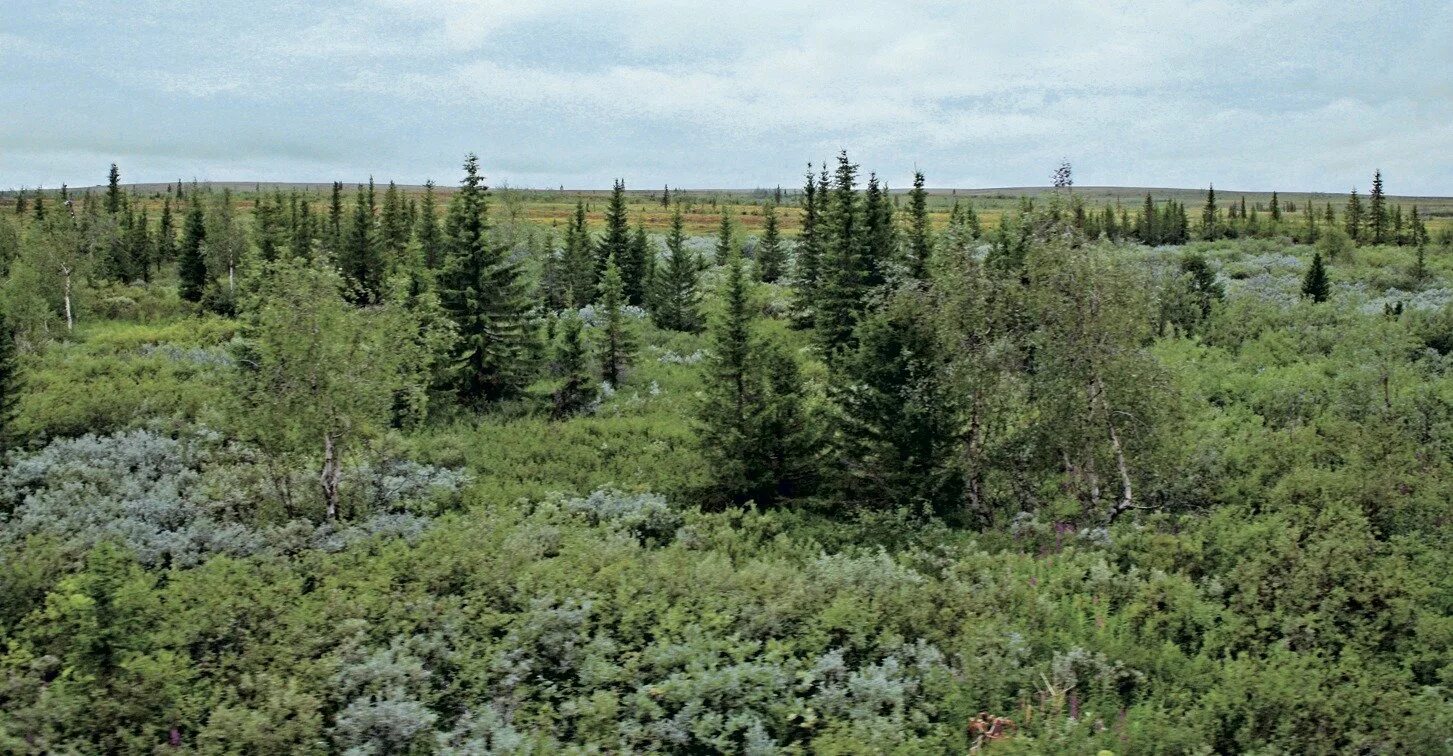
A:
1291,95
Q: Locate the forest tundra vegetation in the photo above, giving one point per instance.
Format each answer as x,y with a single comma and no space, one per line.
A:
845,469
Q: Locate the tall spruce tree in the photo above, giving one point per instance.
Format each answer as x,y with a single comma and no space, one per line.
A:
636,266
426,229
920,232
1316,286
192,260
808,268
844,280
616,242
114,199
482,292
1275,209
572,362
616,342
166,235
771,257
881,248
750,429
1377,216
1209,215
333,240
1353,216
361,260
895,421
579,259
677,300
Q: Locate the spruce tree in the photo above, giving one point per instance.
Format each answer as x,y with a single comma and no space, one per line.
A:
677,300
1309,216
426,230
481,290
39,205
192,261
1354,216
616,242
1316,286
20,204
726,244
166,235
113,191
844,282
636,266
894,418
882,234
10,384
579,259
140,250
750,427
1275,209
572,361
334,239
617,343
920,233
809,250
1377,211
771,257
361,261
393,228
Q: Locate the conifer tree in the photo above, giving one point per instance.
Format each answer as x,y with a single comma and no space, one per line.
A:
139,250
1377,211
361,261
809,249
617,343
1148,232
481,290
1316,286
426,230
1354,216
10,383
393,227
554,290
844,280
882,241
1309,215
1275,209
895,422
166,235
20,204
579,259
334,239
750,427
725,242
572,361
771,257
113,191
920,233
192,261
1417,229
677,304
303,231
635,267
616,242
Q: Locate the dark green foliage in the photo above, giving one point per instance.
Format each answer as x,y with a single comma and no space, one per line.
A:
10,383
894,419
637,267
191,262
753,430
677,301
920,232
481,290
770,254
842,293
882,235
810,247
1316,286
615,336
114,199
572,362
361,259
578,259
1354,224
426,229
1377,215
1210,216
615,243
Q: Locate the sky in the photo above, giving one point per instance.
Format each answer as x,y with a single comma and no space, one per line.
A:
1295,95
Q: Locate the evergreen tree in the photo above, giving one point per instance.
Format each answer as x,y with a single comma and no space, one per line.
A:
39,205
426,230
882,241
726,244
140,251
1377,211
554,290
771,257
572,361
361,261
636,266
114,199
1418,230
1275,209
920,233
677,305
192,261
616,243
1148,232
844,281
480,289
809,248
1316,286
617,343
1309,215
20,204
393,227
895,420
166,235
334,239
303,230
1354,216
750,424
579,259
10,383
